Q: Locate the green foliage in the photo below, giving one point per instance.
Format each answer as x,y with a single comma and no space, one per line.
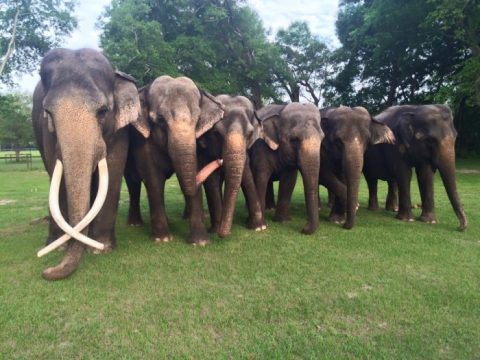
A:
15,120
40,26
220,45
305,61
384,290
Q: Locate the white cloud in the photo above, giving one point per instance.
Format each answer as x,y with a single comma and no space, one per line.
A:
275,14
85,35
320,15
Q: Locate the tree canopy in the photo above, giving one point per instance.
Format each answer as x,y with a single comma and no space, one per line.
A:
29,28
222,45
15,120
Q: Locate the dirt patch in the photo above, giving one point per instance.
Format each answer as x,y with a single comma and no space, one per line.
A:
7,201
468,171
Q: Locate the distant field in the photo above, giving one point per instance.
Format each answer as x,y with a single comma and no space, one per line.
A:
383,290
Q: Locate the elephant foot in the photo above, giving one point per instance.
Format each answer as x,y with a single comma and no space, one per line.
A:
463,223
281,217
392,208
198,238
256,224
428,218
107,249
337,219
373,207
161,236
132,221
309,229
213,228
261,228
348,225
405,216
162,239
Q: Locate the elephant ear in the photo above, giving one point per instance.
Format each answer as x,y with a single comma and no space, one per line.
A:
380,133
267,116
257,130
211,113
127,103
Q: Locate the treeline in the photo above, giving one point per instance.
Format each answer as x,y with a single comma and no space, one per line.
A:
393,52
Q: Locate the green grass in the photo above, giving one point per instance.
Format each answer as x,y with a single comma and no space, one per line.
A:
385,289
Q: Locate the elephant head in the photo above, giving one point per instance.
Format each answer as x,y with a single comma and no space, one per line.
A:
426,134
80,102
178,113
294,131
230,139
348,131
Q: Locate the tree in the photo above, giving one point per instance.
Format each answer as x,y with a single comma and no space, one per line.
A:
220,44
29,29
392,55
15,121
305,60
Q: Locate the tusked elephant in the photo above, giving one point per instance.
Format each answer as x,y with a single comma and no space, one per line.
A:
426,141
230,140
80,109
176,113
348,132
292,139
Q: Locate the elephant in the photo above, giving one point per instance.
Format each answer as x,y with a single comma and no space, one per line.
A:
81,108
230,140
426,141
177,113
291,142
348,131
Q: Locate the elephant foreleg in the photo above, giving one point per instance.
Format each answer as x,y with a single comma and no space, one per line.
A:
103,226
425,184
372,194
287,183
213,192
255,216
198,234
270,196
404,177
392,196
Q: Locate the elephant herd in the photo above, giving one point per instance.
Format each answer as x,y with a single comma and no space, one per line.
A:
93,127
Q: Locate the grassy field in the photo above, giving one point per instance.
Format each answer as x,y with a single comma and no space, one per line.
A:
385,289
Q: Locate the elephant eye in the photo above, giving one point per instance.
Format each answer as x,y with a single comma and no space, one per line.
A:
102,111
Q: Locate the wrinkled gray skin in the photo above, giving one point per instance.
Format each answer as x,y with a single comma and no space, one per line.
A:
230,139
348,131
292,139
176,113
88,105
426,141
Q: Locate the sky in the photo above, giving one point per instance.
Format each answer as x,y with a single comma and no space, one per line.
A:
275,14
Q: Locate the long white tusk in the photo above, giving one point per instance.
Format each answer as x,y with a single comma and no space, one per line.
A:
57,216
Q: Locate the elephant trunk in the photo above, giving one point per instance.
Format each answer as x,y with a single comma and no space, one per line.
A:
446,167
234,157
80,156
183,152
309,164
352,167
